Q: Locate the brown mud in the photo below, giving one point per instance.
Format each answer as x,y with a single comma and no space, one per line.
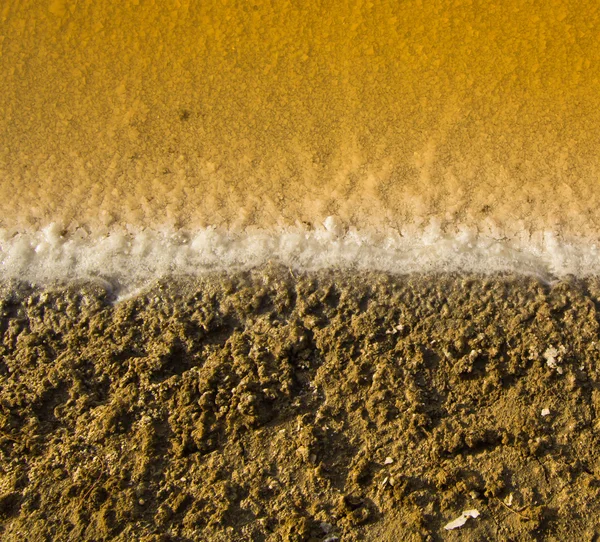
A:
268,406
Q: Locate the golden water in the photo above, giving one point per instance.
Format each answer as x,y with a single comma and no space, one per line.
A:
391,116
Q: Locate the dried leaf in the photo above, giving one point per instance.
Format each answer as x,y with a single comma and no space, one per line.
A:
462,519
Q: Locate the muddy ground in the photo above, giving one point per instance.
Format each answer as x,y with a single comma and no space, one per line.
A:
271,406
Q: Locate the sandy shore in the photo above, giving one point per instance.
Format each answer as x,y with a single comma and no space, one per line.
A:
266,406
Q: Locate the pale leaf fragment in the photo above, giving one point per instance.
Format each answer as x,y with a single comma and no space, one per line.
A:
461,520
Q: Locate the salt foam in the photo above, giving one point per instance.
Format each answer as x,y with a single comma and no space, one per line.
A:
129,256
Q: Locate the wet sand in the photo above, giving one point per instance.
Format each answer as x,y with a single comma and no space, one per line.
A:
265,406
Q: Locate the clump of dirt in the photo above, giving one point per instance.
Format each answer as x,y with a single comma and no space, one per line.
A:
323,406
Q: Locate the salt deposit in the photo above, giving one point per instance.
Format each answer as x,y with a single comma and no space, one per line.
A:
129,256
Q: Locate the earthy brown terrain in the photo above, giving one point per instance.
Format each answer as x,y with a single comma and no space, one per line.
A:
324,406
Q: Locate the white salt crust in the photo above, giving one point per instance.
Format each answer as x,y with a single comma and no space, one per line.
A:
128,257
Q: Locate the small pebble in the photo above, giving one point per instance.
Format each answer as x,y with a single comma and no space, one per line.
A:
326,527
545,412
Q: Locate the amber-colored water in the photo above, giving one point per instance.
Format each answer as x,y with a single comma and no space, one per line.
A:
265,114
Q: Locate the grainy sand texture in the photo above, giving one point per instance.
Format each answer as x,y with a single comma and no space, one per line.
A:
329,407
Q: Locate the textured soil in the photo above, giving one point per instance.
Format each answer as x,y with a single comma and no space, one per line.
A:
269,406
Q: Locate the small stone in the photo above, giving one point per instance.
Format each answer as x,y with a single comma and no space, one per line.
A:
545,412
326,527
388,461
553,358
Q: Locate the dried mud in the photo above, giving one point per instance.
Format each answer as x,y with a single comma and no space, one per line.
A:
267,406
